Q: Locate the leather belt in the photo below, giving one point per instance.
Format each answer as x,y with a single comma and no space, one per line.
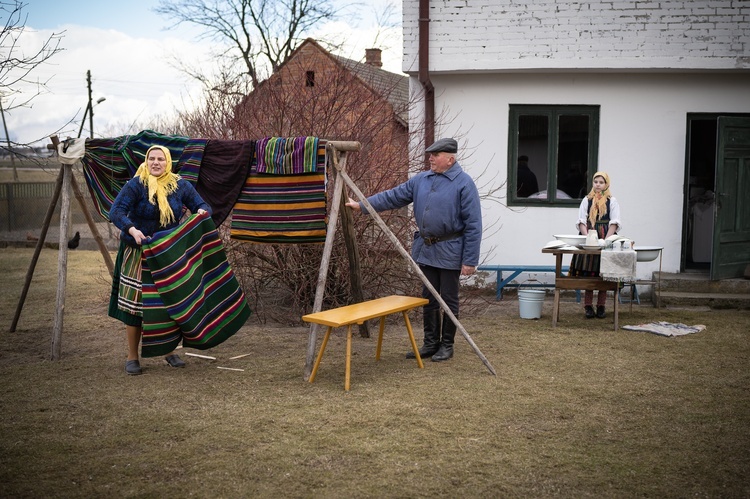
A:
432,240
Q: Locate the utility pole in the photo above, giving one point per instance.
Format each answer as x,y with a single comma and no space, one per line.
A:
89,108
91,105
10,147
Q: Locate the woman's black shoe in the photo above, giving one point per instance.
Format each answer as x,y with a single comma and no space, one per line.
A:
174,361
589,312
600,312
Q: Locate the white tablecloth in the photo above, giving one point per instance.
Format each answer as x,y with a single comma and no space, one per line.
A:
618,265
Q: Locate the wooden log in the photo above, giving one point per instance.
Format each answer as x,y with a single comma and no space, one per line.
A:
38,249
416,269
340,145
62,264
338,189
352,250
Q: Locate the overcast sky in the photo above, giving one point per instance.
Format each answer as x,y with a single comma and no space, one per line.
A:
128,50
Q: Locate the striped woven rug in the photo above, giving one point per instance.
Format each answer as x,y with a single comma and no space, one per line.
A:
283,208
190,293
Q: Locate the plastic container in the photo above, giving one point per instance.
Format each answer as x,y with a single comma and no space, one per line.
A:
530,303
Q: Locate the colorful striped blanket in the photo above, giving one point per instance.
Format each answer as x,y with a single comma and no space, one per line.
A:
289,209
287,155
190,293
109,163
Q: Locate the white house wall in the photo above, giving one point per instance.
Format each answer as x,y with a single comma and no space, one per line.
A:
642,142
487,35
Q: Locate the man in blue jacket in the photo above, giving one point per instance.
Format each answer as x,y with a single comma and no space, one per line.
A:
449,218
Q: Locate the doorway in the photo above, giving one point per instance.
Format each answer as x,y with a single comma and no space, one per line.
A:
701,195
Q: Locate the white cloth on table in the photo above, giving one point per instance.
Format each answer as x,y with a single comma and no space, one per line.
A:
618,266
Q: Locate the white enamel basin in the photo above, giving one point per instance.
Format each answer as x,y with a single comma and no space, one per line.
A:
647,253
572,239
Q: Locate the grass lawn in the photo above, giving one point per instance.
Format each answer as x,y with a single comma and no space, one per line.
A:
574,411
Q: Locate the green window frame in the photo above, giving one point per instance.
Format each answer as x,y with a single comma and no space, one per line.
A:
560,145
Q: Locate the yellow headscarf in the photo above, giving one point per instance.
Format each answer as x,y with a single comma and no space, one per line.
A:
599,201
159,187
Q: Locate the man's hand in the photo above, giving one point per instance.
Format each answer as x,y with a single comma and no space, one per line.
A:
353,205
467,270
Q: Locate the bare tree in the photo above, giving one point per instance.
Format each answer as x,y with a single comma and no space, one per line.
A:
260,34
16,66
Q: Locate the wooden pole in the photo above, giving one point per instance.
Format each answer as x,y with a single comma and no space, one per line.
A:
62,264
338,190
352,250
94,230
38,249
344,145
416,268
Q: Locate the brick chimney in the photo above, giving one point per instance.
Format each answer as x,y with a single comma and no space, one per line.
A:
372,57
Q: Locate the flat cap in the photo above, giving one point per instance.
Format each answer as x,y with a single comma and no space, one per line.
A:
443,145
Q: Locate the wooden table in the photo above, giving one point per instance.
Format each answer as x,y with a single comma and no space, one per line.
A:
585,283
357,314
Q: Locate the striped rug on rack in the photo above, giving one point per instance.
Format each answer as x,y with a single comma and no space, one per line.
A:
286,155
190,293
283,208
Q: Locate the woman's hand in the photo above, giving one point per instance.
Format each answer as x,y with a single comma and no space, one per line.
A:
201,211
137,235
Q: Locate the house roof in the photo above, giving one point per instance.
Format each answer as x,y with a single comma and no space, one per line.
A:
392,86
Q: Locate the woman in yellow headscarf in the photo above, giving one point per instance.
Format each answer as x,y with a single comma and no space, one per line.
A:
151,201
600,212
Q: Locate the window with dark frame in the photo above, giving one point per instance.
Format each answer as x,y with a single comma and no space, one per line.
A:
552,153
310,79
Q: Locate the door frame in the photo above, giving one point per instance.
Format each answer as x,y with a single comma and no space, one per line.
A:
690,117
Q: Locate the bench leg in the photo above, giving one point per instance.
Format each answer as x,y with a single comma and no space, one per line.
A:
412,340
347,376
320,354
380,338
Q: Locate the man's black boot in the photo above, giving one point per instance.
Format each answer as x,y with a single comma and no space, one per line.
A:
431,342
446,342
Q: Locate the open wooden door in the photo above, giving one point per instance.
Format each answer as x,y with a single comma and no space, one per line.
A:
731,237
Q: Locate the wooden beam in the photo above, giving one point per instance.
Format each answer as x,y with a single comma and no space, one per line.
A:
340,145
416,269
62,264
352,250
338,189
38,249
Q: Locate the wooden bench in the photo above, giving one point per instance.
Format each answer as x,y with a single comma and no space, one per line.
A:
359,313
515,272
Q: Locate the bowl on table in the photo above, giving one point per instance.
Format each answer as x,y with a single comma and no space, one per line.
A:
571,239
647,253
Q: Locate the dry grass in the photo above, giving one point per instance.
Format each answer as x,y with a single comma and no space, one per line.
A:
576,411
